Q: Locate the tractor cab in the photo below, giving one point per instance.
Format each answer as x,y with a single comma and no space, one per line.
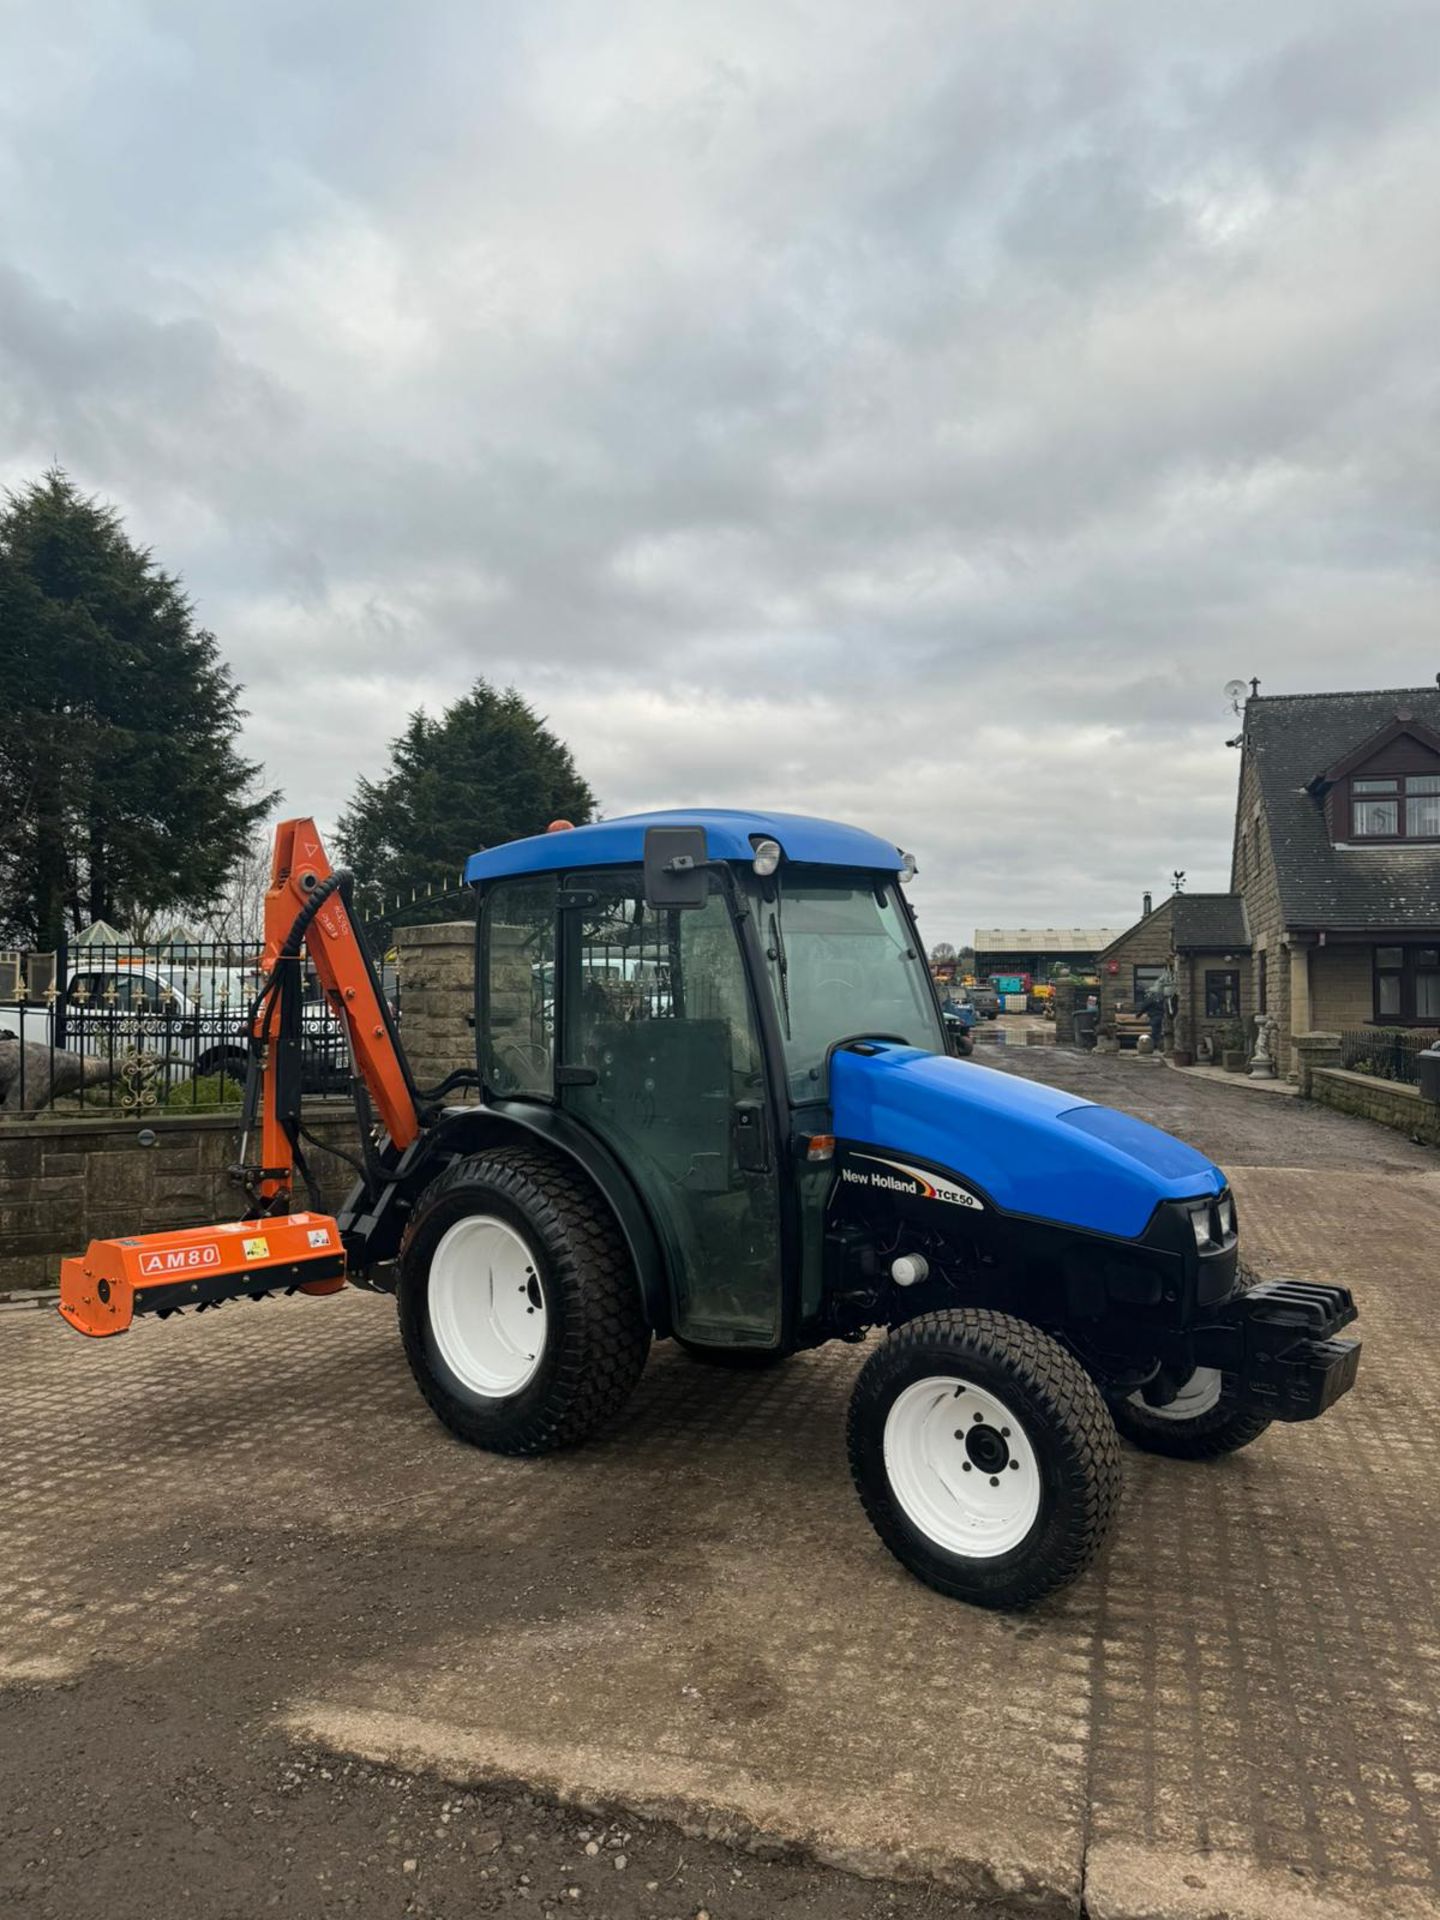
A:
675,987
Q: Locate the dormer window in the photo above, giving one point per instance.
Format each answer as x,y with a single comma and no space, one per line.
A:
1397,807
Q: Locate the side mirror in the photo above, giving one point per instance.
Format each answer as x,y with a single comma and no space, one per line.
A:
676,862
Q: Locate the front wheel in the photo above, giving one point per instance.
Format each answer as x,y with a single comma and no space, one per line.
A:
519,1305
984,1456
1198,1424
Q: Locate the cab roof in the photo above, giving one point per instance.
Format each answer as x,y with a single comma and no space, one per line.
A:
728,834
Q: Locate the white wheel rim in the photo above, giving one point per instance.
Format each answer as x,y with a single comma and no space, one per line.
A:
487,1308
942,1435
1200,1394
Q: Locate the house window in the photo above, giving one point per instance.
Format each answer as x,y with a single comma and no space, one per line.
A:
1403,807
1146,981
1262,983
1422,806
1407,984
1222,993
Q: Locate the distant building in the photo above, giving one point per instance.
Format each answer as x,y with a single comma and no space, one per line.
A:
1038,950
1333,916
1193,948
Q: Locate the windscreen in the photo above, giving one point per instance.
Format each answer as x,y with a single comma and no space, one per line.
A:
842,963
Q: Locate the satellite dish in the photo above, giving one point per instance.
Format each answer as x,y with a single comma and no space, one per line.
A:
1235,691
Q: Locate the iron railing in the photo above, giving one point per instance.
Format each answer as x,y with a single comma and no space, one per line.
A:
146,1028
1387,1053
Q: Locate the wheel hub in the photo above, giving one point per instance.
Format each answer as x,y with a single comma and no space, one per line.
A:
962,1467
1197,1394
487,1307
987,1450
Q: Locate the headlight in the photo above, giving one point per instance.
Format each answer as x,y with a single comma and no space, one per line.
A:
767,856
909,867
1200,1226
1227,1217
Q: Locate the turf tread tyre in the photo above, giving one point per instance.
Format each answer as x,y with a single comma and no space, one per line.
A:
1067,1421
600,1335
1209,1436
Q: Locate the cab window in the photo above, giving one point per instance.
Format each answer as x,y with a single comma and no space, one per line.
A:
843,963
517,958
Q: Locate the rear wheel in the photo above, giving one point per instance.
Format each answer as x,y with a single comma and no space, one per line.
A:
984,1455
519,1307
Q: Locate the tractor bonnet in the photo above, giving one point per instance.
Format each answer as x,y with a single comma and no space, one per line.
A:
1028,1149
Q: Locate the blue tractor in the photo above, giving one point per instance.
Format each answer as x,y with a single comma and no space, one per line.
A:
712,1103
734,1123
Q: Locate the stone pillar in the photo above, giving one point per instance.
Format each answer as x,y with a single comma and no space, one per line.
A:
436,965
1313,1050
1299,1002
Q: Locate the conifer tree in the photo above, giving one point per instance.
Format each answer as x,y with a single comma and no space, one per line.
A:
487,770
122,792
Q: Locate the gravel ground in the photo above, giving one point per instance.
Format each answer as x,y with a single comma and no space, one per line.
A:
204,1821
267,1635
1234,1126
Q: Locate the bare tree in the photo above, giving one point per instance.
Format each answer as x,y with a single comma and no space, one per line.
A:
238,914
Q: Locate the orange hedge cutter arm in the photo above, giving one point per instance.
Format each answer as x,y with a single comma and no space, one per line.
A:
272,1249
308,906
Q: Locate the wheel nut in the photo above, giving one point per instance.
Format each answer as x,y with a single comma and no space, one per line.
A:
1004,1433
993,1481
1014,1466
964,1466
979,1416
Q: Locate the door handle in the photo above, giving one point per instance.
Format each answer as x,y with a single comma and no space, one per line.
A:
747,1129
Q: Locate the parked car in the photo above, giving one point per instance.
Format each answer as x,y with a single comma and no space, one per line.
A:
985,1000
189,1018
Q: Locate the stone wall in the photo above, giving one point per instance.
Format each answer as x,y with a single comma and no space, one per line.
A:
436,965
1392,1105
1342,986
1253,876
67,1181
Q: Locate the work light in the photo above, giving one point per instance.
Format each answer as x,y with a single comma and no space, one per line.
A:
767,857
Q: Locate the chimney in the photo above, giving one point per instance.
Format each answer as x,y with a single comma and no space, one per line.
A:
1144,906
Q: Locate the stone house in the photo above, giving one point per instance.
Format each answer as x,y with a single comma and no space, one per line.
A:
1198,940
1337,858
1333,917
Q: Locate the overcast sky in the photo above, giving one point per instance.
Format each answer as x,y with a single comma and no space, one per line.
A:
912,413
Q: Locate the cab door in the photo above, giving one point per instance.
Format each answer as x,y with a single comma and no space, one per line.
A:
661,1058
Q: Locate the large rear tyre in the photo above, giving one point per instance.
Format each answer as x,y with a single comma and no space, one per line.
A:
984,1455
519,1306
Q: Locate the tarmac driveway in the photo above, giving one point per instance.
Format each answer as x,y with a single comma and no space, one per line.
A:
248,1522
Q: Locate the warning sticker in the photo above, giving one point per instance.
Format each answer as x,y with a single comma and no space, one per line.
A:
257,1249
319,1236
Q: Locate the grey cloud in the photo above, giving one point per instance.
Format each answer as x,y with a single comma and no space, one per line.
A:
914,413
